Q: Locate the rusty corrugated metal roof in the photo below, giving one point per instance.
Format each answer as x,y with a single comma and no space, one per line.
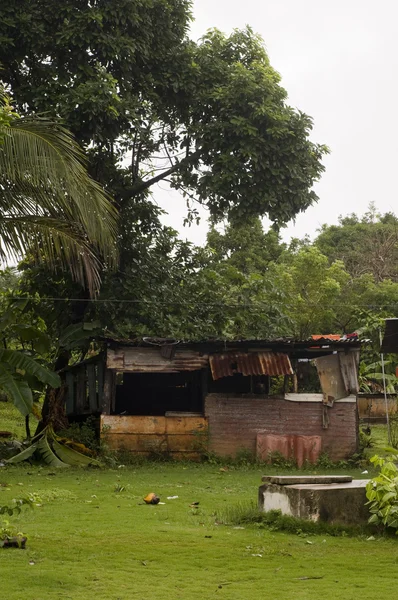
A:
251,363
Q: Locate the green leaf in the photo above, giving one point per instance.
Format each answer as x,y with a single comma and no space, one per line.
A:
373,519
47,454
22,362
78,333
19,391
28,333
24,455
71,457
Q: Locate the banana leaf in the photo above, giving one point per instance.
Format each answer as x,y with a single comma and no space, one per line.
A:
47,454
24,455
71,457
16,389
22,362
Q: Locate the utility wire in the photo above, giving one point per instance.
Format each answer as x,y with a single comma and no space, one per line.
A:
184,303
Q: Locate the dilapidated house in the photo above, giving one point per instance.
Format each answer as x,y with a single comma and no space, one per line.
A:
154,396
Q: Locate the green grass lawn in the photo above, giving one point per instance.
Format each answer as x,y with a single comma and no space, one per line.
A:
88,541
12,420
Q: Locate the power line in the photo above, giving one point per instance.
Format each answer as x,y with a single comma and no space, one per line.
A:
184,303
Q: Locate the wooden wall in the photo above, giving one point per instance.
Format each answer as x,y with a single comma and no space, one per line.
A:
373,406
180,436
235,421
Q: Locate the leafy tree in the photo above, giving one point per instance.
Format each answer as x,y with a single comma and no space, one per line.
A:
245,246
211,118
365,245
313,290
147,104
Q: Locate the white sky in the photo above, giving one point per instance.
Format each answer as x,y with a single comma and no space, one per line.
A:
339,63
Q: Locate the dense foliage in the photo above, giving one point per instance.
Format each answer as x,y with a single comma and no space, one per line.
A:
211,119
149,104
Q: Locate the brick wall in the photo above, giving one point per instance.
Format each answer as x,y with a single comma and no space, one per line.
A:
235,421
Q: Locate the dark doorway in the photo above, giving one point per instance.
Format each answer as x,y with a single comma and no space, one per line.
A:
154,394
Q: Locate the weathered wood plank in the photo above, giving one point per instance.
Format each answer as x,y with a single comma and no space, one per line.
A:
100,381
155,434
150,360
92,388
185,425
109,391
134,424
81,391
70,393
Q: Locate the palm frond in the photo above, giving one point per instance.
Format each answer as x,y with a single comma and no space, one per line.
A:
43,175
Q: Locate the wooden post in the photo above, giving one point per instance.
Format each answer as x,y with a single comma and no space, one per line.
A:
109,391
92,388
70,393
81,391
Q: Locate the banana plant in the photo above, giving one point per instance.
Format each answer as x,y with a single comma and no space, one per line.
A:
54,451
371,378
21,370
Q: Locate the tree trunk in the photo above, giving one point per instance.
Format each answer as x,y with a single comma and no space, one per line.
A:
53,410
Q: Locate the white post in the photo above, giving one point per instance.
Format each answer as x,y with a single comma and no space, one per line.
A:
385,391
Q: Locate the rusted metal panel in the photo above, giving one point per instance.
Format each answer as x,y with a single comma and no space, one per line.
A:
300,448
150,360
331,378
251,363
349,362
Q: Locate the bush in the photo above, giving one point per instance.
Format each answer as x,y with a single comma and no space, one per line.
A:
382,493
83,433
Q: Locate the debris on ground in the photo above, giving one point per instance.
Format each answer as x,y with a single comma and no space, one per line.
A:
152,498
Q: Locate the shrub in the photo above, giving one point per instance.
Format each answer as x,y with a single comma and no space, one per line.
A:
382,493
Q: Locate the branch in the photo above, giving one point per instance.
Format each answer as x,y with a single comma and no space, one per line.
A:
144,185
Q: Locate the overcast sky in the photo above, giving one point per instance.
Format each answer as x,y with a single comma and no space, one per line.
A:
339,63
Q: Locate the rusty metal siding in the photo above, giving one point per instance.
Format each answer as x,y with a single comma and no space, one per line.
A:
349,363
251,363
150,360
180,436
331,378
338,375
300,448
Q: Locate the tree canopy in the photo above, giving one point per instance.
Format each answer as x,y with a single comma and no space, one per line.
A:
149,104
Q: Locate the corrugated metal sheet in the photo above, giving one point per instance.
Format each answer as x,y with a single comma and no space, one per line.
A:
331,378
300,448
251,363
149,360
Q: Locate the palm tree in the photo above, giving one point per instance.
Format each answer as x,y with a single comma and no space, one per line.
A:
49,205
52,209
